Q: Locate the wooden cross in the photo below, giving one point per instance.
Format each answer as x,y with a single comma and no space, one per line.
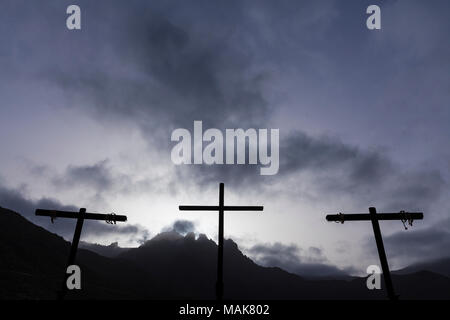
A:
374,218
80,216
221,208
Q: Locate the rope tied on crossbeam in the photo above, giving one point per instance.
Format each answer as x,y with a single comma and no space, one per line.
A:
111,218
406,219
53,216
341,219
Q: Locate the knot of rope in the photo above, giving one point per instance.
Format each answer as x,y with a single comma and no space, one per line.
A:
406,219
111,218
53,217
340,218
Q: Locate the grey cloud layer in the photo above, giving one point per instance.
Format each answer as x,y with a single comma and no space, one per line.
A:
171,71
337,169
159,66
183,226
426,244
98,176
310,262
367,174
15,200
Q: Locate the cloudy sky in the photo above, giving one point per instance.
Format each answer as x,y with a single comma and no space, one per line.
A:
86,118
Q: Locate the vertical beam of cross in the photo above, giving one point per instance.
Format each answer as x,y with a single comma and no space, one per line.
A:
76,237
221,208
219,283
374,218
73,251
80,216
382,254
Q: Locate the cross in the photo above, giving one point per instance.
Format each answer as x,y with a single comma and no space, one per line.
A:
374,218
221,208
80,216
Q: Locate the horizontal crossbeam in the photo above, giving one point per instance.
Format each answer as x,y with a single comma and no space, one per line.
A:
380,216
224,208
75,215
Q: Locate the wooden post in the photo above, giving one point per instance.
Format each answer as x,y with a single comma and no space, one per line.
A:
219,284
80,216
374,218
73,251
382,254
221,208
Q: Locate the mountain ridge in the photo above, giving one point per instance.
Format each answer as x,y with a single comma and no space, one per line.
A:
169,267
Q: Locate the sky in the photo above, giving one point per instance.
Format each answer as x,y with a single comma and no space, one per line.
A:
86,118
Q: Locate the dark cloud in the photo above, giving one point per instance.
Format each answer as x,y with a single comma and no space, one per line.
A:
418,245
369,175
16,201
306,263
335,169
97,176
180,227
417,190
102,178
168,71
172,71
302,152
183,226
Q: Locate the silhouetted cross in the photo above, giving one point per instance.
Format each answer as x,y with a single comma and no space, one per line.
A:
221,208
374,217
80,216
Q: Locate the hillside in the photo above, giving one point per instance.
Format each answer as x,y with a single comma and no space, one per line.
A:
170,266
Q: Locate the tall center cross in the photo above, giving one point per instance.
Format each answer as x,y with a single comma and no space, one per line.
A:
221,208
374,218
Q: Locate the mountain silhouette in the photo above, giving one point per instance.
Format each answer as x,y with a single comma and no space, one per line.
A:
439,266
110,251
170,266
